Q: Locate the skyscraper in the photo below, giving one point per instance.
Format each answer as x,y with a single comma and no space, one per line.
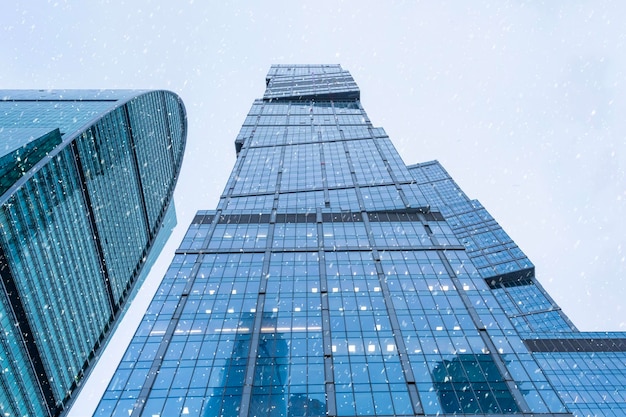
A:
333,280
86,183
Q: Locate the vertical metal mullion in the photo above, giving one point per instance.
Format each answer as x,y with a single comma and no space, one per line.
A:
329,378
390,171
135,164
25,332
395,326
159,357
92,221
482,331
168,130
246,396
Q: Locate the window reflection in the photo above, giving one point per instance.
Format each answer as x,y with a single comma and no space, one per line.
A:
472,384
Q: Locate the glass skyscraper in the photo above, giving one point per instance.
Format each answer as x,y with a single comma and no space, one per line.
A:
334,280
86,183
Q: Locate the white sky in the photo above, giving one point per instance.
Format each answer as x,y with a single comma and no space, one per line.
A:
523,102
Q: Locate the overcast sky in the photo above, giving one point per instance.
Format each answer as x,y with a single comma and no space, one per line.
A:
523,102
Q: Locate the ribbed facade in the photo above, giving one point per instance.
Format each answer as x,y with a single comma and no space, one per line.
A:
87,182
333,280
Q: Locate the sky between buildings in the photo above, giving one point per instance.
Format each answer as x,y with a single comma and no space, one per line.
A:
523,102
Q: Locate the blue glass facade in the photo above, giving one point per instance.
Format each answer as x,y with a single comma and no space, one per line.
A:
87,182
333,280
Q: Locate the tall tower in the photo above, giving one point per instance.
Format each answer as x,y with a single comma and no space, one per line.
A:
333,280
86,182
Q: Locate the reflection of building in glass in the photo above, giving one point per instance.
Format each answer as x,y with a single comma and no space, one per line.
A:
334,280
472,384
86,180
225,398
270,371
301,405
270,379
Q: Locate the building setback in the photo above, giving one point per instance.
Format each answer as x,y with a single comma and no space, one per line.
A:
86,182
333,280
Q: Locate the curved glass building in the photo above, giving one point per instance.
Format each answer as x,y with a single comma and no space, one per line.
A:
86,183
